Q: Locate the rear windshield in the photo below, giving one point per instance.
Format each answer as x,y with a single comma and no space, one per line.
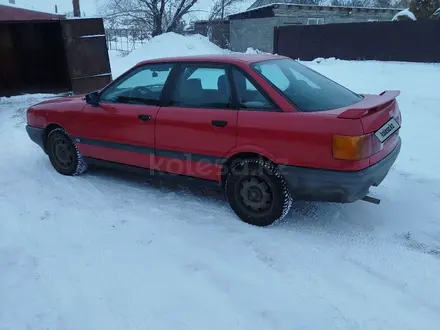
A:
306,89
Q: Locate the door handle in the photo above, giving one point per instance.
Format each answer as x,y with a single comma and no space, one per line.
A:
219,123
144,117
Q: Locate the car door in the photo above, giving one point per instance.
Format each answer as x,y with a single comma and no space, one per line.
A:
121,128
265,129
197,126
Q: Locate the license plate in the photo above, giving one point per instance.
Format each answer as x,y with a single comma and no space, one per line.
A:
391,127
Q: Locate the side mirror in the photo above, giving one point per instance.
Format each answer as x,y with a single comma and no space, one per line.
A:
93,99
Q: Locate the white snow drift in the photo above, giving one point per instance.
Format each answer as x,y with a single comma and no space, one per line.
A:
166,45
405,13
113,251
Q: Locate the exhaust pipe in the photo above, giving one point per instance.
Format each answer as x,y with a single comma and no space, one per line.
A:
372,200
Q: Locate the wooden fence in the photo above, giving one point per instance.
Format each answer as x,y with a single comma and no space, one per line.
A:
408,41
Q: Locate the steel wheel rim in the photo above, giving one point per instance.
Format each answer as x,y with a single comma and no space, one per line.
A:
255,194
63,152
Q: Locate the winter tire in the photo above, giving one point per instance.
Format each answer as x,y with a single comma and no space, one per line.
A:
257,192
64,154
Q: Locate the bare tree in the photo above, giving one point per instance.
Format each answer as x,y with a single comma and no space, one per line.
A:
220,9
154,16
424,9
382,3
401,4
362,3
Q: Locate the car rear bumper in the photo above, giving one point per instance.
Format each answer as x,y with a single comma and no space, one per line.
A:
36,134
337,186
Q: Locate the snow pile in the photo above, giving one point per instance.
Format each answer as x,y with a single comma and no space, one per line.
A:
404,14
251,50
323,60
166,45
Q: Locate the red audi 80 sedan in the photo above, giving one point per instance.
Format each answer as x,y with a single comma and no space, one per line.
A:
267,128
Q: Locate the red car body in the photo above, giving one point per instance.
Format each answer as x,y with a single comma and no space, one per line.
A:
332,155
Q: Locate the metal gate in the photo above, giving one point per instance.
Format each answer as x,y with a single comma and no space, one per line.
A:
87,55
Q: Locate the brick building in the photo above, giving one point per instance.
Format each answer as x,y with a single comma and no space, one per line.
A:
255,27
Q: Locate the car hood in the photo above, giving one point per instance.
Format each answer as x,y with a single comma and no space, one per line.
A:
63,99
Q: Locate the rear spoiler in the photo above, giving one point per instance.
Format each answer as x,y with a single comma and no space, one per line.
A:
371,103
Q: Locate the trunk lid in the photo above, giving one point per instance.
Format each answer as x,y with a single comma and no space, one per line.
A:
374,111
380,118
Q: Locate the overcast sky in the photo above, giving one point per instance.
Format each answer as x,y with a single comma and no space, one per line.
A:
90,6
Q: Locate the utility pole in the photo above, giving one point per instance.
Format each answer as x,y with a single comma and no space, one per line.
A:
223,10
76,8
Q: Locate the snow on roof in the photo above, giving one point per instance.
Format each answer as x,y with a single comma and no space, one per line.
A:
15,13
287,3
63,6
406,12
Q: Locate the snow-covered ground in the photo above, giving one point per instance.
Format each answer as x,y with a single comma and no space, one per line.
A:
114,251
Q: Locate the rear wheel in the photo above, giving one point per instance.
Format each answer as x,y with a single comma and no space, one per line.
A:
257,192
64,154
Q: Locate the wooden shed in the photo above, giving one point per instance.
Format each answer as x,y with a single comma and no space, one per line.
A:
46,53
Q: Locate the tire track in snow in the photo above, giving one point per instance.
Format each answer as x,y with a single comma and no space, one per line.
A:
396,285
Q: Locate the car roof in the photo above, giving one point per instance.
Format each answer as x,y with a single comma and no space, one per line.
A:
221,58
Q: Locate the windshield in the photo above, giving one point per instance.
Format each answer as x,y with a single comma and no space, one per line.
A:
306,89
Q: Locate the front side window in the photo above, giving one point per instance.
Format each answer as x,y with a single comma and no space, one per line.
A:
143,86
202,87
305,88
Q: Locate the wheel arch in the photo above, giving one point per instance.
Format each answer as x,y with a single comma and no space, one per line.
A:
49,128
234,158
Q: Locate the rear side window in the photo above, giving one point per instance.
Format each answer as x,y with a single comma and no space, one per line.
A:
202,87
306,89
248,95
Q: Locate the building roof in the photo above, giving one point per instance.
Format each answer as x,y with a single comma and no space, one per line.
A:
8,13
262,3
264,8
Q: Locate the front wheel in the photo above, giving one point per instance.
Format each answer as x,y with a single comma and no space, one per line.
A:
63,153
257,192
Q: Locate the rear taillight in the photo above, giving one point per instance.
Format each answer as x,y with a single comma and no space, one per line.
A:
29,114
355,147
